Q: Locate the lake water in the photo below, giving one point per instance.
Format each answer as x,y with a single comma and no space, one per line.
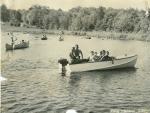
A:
34,85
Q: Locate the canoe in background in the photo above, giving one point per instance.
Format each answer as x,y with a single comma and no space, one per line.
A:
17,46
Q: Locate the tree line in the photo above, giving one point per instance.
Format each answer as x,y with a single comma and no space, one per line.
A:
79,19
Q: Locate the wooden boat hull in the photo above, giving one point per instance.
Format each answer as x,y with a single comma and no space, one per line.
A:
126,62
17,46
43,38
9,47
61,39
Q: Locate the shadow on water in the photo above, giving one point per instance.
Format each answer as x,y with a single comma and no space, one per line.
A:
72,79
117,70
101,76
105,74
11,53
98,82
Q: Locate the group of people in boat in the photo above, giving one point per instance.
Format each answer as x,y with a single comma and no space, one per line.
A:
76,53
13,40
76,56
101,56
44,37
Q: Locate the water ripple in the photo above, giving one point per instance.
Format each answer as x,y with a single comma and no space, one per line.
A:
33,84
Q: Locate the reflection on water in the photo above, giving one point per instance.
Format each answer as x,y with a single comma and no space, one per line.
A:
34,84
2,78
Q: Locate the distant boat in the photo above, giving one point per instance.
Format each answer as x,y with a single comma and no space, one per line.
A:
88,37
44,38
118,63
22,45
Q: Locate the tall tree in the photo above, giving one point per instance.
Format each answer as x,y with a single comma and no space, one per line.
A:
4,13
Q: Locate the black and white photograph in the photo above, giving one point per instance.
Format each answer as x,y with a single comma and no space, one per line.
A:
75,56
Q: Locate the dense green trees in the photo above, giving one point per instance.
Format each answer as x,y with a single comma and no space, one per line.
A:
85,19
4,13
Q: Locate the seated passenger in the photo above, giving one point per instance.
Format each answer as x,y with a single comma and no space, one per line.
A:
107,57
78,52
72,54
103,55
91,58
75,56
100,55
96,57
44,36
23,41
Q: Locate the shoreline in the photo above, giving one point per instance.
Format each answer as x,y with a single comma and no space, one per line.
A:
98,34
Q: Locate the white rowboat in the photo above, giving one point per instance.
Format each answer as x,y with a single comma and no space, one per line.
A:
118,63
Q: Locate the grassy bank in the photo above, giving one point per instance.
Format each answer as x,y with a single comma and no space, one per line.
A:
98,34
120,36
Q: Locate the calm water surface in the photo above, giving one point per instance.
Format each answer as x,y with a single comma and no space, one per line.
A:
34,85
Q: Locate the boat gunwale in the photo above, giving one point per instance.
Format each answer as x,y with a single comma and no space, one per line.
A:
126,57
107,61
111,68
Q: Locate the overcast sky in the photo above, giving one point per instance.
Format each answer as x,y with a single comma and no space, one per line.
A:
68,4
